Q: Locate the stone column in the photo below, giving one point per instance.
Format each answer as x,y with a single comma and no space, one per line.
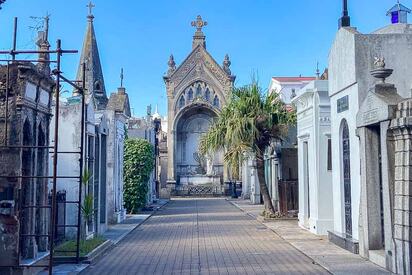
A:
387,174
254,184
402,132
171,141
245,179
275,183
370,236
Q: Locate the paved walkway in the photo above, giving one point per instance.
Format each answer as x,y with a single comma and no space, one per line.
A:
335,259
115,233
203,236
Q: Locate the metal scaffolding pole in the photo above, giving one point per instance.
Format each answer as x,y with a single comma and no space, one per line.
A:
59,52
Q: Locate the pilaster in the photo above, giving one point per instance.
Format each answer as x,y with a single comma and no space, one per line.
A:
402,200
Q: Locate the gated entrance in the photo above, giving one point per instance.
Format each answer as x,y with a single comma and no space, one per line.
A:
346,178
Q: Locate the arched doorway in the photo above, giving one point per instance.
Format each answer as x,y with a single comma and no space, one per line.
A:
193,122
27,225
346,177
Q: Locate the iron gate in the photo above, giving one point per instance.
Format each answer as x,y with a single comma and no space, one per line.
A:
346,179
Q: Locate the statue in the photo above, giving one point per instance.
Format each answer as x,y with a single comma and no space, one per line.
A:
200,170
380,72
226,65
379,63
209,165
172,65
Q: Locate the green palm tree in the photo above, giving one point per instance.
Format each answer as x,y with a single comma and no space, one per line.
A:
245,127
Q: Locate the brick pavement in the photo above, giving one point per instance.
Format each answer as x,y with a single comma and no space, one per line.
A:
203,236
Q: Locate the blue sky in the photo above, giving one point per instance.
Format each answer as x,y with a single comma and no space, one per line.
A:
266,37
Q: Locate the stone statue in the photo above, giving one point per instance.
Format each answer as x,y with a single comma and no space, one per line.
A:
380,72
209,165
226,65
379,63
200,170
172,65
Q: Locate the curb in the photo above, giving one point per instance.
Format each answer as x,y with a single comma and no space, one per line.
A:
274,231
101,250
96,253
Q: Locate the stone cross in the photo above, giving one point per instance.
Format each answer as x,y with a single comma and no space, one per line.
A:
91,6
199,23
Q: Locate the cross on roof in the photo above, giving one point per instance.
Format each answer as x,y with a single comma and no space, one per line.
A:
91,6
121,78
199,23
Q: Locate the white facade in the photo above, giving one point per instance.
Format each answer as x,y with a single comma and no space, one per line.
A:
68,164
351,59
314,154
115,152
250,181
288,87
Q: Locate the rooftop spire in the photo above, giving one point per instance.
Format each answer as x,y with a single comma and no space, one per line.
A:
199,37
94,74
44,45
344,21
121,78
317,71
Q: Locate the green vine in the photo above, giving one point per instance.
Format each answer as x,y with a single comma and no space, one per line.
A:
138,165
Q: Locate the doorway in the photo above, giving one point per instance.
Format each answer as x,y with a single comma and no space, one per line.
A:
346,178
306,177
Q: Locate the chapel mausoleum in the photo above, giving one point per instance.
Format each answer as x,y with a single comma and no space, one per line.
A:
196,91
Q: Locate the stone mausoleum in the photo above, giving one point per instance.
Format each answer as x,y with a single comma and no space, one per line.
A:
370,130
24,136
196,91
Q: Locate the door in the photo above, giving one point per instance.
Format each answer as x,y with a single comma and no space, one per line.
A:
346,179
306,176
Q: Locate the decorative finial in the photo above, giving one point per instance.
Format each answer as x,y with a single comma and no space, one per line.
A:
44,45
317,71
344,21
380,72
199,24
121,78
90,6
226,65
172,65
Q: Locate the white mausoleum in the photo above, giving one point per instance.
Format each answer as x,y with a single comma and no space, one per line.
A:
315,157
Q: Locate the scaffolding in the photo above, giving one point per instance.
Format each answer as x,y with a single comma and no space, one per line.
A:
58,78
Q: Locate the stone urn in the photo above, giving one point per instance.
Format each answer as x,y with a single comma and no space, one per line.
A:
380,72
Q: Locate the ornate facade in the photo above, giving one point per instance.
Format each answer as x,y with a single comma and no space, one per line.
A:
196,92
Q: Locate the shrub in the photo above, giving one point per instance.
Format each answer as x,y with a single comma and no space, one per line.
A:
138,164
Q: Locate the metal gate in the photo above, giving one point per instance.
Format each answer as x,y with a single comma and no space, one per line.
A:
346,178
203,190
288,196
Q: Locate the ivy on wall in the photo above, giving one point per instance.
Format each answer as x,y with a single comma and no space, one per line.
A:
138,165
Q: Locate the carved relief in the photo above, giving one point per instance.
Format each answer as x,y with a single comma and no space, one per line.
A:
195,61
198,91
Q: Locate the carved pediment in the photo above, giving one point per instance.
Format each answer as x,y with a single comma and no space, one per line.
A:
197,62
304,101
379,105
